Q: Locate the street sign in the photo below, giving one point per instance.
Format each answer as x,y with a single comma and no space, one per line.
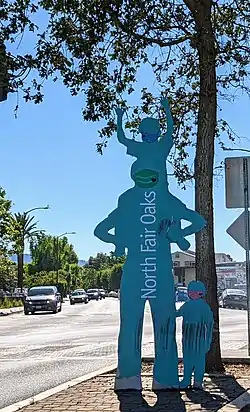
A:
234,180
237,177
237,230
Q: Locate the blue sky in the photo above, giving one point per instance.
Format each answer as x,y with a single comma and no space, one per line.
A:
48,156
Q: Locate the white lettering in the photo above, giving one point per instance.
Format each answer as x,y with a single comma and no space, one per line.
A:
148,281
148,219
148,245
148,292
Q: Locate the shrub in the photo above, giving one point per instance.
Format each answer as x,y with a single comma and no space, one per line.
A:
7,303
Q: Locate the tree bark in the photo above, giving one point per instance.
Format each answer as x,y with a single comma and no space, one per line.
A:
204,162
20,271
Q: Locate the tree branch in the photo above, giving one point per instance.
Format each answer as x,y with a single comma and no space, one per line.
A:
162,43
149,40
171,42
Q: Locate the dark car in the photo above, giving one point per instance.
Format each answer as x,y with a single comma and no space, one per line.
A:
181,294
102,293
79,296
93,294
234,299
43,298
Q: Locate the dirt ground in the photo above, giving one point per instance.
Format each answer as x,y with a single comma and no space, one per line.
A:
236,370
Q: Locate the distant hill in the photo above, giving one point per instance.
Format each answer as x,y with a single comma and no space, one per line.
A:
27,259
82,262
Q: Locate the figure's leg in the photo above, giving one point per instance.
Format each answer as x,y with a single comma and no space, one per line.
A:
188,365
164,319
199,370
130,336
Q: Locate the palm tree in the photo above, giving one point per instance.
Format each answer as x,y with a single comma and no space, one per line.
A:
23,229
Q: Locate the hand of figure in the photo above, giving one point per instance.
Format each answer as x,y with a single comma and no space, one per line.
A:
120,112
183,244
174,232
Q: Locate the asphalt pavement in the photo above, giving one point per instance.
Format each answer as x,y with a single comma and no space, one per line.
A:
42,351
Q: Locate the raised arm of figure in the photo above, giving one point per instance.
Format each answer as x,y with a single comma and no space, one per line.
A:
167,139
131,145
120,132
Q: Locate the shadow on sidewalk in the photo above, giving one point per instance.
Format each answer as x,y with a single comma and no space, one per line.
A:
134,401
175,401
229,386
210,401
219,391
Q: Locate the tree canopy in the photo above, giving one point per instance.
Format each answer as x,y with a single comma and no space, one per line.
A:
5,216
23,228
50,253
98,47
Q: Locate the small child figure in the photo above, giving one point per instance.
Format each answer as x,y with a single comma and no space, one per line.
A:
197,330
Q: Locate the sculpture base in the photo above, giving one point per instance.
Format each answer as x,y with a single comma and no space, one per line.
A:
131,383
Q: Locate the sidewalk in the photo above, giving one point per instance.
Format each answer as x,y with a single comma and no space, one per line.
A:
97,395
10,311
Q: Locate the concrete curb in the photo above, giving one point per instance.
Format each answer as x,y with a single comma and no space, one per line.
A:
11,311
237,404
43,395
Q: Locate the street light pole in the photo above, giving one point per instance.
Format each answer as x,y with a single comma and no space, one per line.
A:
230,149
37,208
58,254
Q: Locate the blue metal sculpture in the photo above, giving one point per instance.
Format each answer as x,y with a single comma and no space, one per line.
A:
146,221
197,329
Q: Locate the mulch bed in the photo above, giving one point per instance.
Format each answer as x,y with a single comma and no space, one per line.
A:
238,371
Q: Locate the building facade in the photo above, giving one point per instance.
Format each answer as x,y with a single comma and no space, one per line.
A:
183,267
228,272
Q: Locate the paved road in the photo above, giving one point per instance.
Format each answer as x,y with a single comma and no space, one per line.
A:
42,351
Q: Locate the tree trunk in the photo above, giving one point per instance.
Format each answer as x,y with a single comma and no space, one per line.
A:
204,163
20,271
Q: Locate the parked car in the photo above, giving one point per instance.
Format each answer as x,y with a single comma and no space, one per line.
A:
93,294
43,298
102,293
181,294
240,286
78,296
234,299
4,293
113,294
